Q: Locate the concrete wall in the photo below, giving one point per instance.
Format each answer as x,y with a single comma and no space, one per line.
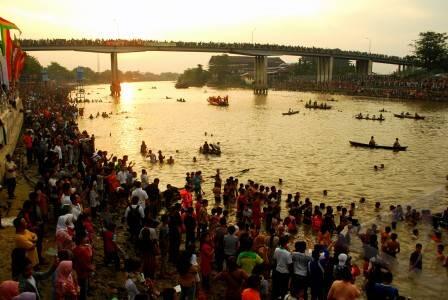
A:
13,121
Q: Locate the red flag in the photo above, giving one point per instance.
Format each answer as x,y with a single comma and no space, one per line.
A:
18,62
7,50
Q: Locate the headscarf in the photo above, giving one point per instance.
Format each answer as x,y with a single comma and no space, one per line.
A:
259,241
8,289
25,296
342,259
64,222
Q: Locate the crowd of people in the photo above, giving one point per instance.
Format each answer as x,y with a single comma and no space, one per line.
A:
226,46
246,237
374,86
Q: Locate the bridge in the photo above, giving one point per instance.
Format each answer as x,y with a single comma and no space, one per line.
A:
325,57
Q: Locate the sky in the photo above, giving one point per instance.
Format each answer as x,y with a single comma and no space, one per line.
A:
387,26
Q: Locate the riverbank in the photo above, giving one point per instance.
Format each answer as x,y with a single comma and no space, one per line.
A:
11,120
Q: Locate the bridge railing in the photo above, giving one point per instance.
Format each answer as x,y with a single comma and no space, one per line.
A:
205,45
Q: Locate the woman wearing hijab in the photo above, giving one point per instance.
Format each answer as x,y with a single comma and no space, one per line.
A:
8,289
65,285
26,239
64,232
342,267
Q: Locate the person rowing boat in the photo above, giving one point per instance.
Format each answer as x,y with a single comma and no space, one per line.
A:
396,144
372,141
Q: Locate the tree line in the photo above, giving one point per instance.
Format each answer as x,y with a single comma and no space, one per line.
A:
33,70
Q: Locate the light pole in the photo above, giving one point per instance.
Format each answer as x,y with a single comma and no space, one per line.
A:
253,35
370,44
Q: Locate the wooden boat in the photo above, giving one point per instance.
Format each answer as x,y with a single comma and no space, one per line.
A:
371,119
356,144
214,149
317,106
218,101
291,113
409,117
181,100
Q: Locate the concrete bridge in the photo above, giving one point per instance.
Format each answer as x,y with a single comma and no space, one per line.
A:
260,52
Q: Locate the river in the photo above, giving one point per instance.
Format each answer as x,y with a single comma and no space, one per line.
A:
309,151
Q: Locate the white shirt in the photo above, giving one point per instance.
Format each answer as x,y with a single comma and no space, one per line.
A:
301,261
142,196
140,209
131,288
93,197
65,200
145,180
122,176
283,259
153,236
58,150
10,167
76,211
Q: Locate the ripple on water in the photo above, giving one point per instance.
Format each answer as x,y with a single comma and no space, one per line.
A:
309,151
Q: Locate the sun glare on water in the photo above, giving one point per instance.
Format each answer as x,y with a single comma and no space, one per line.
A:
127,93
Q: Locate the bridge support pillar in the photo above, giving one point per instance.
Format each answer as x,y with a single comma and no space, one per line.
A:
115,88
261,75
364,67
324,70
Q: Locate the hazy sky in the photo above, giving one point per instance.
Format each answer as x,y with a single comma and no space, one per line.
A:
347,24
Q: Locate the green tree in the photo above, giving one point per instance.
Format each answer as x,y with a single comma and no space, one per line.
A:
32,68
431,51
193,77
220,69
59,73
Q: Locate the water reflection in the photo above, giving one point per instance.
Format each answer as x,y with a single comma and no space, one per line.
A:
309,151
127,93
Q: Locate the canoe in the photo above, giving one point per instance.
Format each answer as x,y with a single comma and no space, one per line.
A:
383,119
213,150
409,117
356,144
317,107
290,113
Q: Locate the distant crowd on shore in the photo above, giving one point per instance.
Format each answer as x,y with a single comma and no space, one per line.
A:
244,237
375,86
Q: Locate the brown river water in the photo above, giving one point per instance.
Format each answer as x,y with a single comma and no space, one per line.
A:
310,151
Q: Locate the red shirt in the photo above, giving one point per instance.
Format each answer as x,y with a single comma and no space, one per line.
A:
250,294
28,141
82,260
206,258
109,243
